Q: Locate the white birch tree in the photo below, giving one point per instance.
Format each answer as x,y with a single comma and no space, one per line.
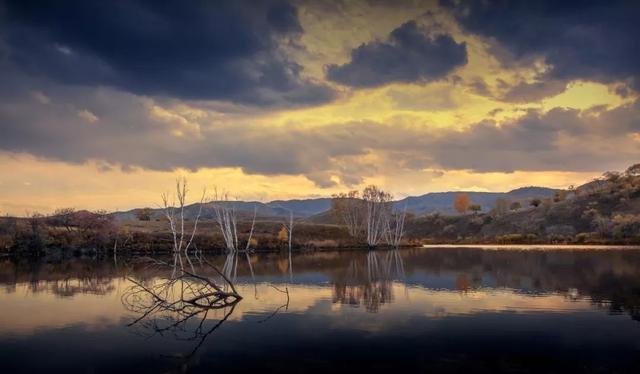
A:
174,210
227,219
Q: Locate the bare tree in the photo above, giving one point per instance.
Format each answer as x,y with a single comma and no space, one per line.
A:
227,219
288,225
176,215
394,230
349,208
63,217
168,304
127,238
378,204
371,215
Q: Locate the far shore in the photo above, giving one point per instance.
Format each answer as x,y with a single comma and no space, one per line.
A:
533,246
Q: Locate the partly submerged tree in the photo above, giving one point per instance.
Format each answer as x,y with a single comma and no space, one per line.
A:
227,219
174,210
288,226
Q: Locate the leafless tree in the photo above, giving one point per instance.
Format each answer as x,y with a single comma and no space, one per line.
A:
63,217
117,243
176,215
371,214
378,206
394,230
253,224
227,219
349,208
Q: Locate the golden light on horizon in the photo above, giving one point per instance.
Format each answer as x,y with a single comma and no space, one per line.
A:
411,97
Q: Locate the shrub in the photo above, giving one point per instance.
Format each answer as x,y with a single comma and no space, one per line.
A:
582,237
144,214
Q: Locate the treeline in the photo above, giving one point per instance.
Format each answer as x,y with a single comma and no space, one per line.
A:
64,228
71,231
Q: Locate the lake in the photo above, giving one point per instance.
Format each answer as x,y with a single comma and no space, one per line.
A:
426,309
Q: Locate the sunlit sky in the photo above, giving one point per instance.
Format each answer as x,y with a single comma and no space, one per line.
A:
103,104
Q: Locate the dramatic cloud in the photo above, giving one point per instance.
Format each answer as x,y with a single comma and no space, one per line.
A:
561,139
220,50
250,88
129,131
408,56
520,92
532,92
592,40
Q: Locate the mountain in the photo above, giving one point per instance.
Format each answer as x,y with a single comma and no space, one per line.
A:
317,208
606,211
443,201
303,208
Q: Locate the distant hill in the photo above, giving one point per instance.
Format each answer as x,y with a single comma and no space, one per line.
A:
443,201
316,209
304,207
602,211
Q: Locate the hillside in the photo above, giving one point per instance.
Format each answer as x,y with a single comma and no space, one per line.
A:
442,202
315,210
603,211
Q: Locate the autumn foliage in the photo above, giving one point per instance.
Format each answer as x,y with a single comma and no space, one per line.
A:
462,202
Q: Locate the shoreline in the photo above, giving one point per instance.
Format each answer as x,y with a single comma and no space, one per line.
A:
534,246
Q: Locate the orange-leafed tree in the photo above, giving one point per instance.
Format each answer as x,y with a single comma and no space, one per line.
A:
462,202
283,234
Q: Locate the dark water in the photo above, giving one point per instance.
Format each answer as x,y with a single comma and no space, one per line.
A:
426,310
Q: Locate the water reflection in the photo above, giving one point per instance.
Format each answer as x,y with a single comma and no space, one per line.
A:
181,302
607,278
461,298
369,283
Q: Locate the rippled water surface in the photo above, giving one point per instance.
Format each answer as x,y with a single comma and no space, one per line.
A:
428,309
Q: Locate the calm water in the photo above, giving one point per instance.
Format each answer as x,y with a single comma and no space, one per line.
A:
430,309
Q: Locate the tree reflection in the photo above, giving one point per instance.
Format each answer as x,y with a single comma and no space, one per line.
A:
369,283
610,278
182,303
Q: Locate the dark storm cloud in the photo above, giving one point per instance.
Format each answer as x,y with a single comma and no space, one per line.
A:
592,40
408,56
221,50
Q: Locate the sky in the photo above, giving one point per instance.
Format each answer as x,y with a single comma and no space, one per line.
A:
103,104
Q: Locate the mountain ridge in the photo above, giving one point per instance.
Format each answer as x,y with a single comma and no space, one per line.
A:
308,208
